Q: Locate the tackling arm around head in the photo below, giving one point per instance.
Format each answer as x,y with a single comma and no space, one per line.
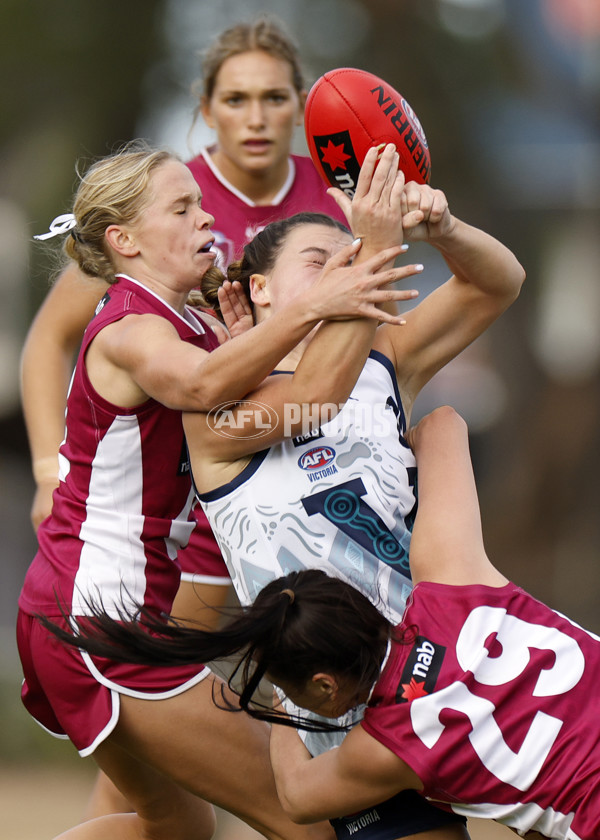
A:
358,774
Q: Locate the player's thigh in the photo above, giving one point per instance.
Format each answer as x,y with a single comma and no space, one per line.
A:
222,756
219,755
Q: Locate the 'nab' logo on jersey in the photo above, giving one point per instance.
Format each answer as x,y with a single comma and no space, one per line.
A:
421,670
184,460
338,160
317,458
315,434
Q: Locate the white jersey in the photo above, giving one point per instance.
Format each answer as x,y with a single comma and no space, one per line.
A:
341,500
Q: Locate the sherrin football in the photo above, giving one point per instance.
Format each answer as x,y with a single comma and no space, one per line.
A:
348,111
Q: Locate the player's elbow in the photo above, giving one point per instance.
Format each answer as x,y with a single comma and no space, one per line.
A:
206,397
298,812
296,806
208,392
507,290
518,278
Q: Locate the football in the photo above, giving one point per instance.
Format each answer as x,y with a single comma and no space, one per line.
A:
348,111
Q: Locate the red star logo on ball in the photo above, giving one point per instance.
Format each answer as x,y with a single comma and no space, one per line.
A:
334,156
413,690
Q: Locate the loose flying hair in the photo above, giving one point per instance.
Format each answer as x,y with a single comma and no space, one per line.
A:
260,255
299,625
114,190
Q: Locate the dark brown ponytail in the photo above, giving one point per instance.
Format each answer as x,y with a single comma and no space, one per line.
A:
299,624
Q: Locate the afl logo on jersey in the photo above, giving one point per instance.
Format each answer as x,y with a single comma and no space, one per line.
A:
317,458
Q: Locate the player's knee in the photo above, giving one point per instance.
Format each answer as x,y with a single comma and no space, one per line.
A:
177,818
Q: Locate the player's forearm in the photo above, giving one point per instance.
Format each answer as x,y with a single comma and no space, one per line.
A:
477,258
332,363
49,353
336,355
321,788
440,436
238,366
290,761
45,373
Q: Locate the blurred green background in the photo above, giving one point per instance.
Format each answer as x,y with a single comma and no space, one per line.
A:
508,92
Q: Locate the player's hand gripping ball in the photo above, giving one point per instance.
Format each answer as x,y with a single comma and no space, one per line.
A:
350,110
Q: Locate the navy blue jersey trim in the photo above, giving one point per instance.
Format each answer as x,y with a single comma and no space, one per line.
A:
383,360
226,489
406,813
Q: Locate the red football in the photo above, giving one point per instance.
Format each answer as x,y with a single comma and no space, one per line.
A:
350,110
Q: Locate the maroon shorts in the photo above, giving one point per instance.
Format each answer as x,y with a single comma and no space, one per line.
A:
201,560
73,695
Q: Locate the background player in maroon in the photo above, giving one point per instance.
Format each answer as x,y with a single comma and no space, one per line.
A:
252,94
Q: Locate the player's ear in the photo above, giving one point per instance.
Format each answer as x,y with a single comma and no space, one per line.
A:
121,241
325,684
259,293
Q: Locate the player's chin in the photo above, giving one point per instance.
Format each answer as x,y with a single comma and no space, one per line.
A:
207,257
201,263
258,162
265,156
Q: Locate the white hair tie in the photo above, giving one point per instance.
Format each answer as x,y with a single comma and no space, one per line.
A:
62,224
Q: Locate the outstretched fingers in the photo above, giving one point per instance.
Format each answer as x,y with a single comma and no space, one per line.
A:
379,293
348,289
374,211
381,174
383,257
367,171
363,184
390,176
235,308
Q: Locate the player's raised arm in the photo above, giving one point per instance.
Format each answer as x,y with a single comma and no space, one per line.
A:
447,541
486,279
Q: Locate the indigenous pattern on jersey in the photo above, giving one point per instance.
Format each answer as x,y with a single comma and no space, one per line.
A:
341,500
492,699
120,513
238,219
